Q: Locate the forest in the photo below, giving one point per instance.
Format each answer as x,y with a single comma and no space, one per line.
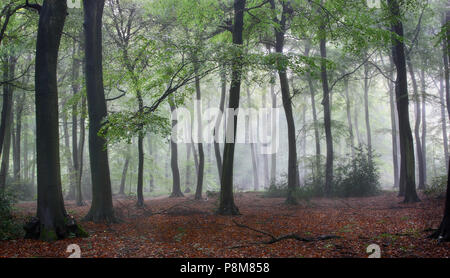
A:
224,129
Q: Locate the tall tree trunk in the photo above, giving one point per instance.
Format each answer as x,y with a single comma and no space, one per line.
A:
7,119
78,191
140,181
349,117
17,137
273,157
417,112
394,125
52,222
407,171
102,206
252,145
176,188
223,79
446,55
424,128
293,177
327,116
68,156
226,200
443,118
8,66
201,154
367,113
312,92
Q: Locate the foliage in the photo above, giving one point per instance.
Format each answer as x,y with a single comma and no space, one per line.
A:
437,188
357,177
10,227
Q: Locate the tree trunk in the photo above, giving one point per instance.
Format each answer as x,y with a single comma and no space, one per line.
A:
176,188
218,122
102,206
407,171
349,118
68,156
124,175
367,114
201,154
417,112
424,129
140,181
443,118
293,177
153,158
327,117
78,191
394,126
252,145
7,119
17,137
188,168
8,66
52,222
273,158
226,200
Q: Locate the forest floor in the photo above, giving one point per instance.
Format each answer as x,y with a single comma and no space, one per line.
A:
182,227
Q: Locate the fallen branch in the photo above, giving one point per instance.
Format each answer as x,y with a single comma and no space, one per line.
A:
274,239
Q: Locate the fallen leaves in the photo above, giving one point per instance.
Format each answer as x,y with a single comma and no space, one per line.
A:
182,227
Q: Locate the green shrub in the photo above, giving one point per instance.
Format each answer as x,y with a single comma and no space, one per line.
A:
357,177
437,188
10,226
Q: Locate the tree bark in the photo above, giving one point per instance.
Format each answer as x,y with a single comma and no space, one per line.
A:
226,200
349,118
424,128
124,175
293,177
176,187
407,171
218,122
7,119
394,126
52,221
102,206
417,112
443,118
367,114
252,146
201,154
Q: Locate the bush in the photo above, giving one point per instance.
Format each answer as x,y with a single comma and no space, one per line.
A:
23,190
280,190
10,227
357,177
438,187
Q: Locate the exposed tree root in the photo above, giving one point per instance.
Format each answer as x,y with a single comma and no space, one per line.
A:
274,239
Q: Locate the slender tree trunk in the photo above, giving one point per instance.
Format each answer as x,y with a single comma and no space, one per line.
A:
252,145
417,112
367,113
218,122
8,66
7,119
201,154
394,126
17,137
140,181
349,118
273,158
78,191
293,177
327,116
265,156
68,156
446,55
102,205
151,153
407,171
176,188
424,129
188,168
226,200
443,118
